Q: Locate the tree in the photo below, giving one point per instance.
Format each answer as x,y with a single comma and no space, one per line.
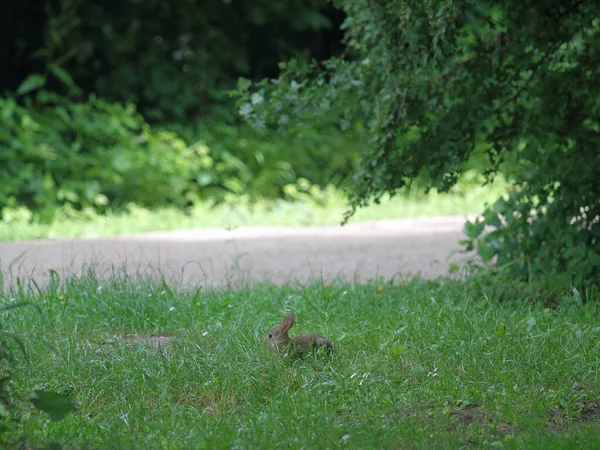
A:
175,60
435,82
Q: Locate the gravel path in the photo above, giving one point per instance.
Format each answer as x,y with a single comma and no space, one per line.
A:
219,258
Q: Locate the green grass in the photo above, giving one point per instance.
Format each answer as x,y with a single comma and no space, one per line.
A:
416,365
326,209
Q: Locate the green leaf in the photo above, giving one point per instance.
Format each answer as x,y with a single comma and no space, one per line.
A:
243,84
500,330
500,206
63,76
492,219
8,109
397,350
57,406
594,258
31,83
486,252
473,230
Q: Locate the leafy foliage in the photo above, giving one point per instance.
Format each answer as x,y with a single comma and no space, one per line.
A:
56,405
55,152
61,155
176,60
72,66
436,83
263,163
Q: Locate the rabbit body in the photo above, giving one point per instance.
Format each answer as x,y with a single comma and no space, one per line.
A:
279,339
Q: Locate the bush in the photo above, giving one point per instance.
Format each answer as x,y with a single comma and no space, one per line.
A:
58,153
261,164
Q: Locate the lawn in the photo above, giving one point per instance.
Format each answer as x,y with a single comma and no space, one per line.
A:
416,364
327,208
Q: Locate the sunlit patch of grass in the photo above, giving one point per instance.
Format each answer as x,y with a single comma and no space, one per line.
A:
437,364
466,198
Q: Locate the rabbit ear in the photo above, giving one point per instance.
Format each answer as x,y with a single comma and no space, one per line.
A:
287,323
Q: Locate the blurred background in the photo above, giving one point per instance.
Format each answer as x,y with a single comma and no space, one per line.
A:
116,117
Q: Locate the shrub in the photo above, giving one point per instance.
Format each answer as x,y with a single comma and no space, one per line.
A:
261,164
55,152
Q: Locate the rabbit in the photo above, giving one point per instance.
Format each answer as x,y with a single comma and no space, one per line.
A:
278,338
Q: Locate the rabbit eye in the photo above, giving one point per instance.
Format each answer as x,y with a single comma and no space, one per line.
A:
270,335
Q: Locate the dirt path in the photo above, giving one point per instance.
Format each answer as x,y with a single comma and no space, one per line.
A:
218,257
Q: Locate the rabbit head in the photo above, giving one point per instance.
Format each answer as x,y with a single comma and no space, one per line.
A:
278,337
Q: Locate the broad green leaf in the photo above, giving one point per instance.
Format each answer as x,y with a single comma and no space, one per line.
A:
594,258
486,252
243,84
491,218
473,230
500,330
500,206
31,83
57,406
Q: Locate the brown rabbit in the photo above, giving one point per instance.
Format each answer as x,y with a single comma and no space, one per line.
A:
279,339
